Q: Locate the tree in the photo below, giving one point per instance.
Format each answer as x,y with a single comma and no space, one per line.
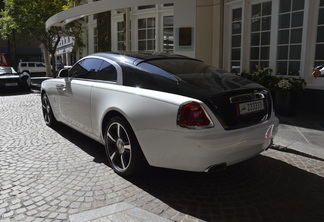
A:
30,16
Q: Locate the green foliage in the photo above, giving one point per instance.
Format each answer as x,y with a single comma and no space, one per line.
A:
290,85
31,15
264,77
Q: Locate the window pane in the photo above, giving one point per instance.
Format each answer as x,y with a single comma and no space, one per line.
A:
282,52
142,23
256,24
236,54
253,65
298,5
120,26
255,39
282,68
236,41
265,38
121,36
295,51
296,35
236,28
322,3
141,45
121,46
297,19
237,15
321,16
283,37
256,10
168,21
264,64
168,34
284,21
266,23
107,72
285,5
266,8
294,68
150,45
151,33
254,53
146,7
150,22
265,51
319,52
142,34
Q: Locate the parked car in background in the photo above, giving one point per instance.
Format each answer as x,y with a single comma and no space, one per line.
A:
33,68
162,110
11,80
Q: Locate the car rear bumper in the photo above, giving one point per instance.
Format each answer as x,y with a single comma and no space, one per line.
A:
199,150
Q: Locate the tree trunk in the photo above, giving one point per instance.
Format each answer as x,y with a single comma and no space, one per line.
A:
49,72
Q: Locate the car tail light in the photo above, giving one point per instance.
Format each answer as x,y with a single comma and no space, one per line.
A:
193,115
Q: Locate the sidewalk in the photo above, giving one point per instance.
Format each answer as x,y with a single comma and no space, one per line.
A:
303,133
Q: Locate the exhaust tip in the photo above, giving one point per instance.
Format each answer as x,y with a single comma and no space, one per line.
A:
216,168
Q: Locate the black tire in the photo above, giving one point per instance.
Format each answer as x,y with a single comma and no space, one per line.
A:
123,151
47,111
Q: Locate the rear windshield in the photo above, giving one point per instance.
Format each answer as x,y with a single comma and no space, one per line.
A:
195,73
182,67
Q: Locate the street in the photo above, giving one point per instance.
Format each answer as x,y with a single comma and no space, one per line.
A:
54,174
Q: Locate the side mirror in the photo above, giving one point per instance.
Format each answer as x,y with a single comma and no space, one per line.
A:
63,73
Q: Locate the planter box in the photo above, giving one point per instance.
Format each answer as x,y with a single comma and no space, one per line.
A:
285,104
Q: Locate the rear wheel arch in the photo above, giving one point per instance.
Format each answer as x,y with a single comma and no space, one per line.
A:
106,119
137,161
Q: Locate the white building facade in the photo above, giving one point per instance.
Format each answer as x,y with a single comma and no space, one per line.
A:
284,35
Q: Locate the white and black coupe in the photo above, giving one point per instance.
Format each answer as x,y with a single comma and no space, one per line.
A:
162,110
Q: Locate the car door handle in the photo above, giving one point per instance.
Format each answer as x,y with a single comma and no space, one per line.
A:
60,86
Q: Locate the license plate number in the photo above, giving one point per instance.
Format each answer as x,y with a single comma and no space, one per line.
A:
12,84
250,107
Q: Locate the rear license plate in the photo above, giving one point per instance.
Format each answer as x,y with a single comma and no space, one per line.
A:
12,84
250,107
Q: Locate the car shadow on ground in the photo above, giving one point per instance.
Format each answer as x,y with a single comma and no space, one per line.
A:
15,92
260,189
91,147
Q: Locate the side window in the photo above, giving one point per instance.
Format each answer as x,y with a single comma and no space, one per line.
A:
86,69
40,65
31,64
107,72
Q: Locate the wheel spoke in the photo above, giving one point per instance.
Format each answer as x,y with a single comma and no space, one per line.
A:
118,130
112,156
111,137
127,147
122,162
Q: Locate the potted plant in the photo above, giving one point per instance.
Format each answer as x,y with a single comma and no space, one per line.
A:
284,90
287,89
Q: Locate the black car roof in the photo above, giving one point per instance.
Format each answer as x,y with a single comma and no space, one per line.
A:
136,58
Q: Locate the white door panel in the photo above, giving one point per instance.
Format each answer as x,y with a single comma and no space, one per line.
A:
75,104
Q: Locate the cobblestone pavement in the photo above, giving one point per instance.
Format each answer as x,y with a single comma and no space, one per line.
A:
52,174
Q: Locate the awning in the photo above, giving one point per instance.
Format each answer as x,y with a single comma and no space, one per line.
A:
69,15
